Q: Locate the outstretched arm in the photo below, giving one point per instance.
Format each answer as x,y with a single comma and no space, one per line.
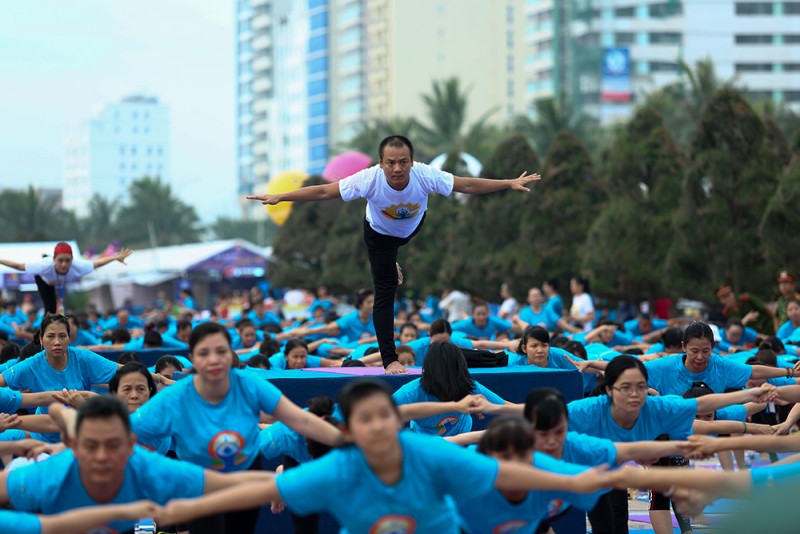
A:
119,256
481,186
83,519
13,264
312,193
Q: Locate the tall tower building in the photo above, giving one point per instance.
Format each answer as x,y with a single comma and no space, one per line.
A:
121,143
757,42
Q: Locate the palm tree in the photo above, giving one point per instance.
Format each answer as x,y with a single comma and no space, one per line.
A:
372,131
152,205
98,229
448,131
552,116
27,215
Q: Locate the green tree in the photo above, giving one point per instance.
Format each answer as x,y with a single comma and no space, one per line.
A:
371,132
99,227
731,176
261,232
27,215
447,131
552,115
566,204
153,204
627,245
345,261
780,227
484,247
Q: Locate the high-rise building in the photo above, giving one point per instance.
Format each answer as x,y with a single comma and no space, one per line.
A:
325,66
121,143
757,42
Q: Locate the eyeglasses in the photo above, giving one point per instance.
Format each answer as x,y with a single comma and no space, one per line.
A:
627,390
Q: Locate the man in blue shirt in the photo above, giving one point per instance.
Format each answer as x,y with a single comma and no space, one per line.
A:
105,467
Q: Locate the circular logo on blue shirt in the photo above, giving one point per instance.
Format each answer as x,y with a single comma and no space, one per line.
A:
554,507
394,524
227,448
446,424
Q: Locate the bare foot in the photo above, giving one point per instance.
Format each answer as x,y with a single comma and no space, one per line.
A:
396,368
399,275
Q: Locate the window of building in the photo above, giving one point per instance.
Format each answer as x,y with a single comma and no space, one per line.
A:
318,65
133,151
625,12
318,109
316,131
352,107
350,37
319,152
510,14
149,150
316,3
753,67
663,66
351,83
121,150
510,88
160,151
122,166
791,97
624,38
791,38
352,11
791,8
317,43
760,95
791,67
665,38
350,60
319,21
510,64
754,8
753,39
665,9
318,87
135,129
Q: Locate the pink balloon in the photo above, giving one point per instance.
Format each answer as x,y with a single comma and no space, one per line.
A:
344,165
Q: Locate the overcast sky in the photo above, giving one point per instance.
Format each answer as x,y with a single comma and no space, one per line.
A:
62,59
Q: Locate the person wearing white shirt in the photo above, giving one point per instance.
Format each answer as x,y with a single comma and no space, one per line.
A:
397,192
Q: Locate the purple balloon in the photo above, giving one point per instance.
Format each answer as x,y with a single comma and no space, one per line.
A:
344,165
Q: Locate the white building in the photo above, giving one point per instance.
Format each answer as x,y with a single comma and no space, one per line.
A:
757,42
121,143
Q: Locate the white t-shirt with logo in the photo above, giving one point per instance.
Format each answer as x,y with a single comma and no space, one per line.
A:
391,212
46,268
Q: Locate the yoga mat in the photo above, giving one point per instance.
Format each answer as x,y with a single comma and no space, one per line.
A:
359,371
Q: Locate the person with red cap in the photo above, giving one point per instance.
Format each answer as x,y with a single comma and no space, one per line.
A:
748,308
52,276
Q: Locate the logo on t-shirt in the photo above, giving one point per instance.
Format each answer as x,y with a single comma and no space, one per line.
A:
401,211
554,507
509,526
226,448
394,524
446,424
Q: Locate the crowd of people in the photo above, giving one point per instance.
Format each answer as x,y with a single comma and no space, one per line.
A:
114,443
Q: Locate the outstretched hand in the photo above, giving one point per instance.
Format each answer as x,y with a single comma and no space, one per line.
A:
396,368
270,200
519,183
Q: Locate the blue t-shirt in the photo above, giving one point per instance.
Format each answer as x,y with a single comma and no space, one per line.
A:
279,440
268,318
83,337
494,325
10,400
422,344
668,414
748,336
445,424
545,318
432,469
556,305
19,522
669,375
84,368
583,449
785,331
278,361
493,513
221,436
55,486
556,359
632,327
737,412
351,329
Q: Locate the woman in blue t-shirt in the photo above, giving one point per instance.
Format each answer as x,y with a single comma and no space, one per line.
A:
213,415
626,413
446,378
394,481
547,411
511,438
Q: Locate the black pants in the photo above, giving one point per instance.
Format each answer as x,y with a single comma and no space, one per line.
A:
659,501
243,522
382,250
610,514
48,294
303,524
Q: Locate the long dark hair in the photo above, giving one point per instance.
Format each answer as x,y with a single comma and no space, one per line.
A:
545,408
445,374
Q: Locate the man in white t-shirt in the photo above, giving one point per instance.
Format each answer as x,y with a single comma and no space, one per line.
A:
397,192
53,274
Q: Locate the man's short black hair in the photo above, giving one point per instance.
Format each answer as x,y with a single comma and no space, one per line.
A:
103,407
397,141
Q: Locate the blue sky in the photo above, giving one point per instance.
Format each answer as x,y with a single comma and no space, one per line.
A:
61,59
